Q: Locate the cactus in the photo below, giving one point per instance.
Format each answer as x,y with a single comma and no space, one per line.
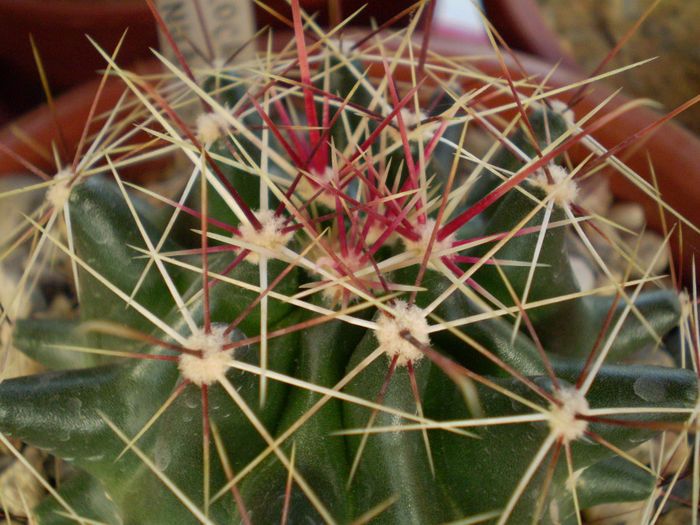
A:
351,317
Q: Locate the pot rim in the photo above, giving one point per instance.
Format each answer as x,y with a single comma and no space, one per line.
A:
674,149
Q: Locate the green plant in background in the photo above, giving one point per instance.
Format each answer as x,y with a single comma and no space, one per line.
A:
345,314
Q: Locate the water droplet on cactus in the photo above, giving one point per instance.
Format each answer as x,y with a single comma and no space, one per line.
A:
162,457
379,242
191,401
516,405
650,389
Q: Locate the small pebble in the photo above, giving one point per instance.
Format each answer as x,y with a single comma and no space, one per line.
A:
653,355
625,513
19,203
13,363
678,516
19,488
650,244
679,455
629,215
595,196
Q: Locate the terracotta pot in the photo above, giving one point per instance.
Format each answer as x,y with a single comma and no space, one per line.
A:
378,10
674,151
58,28
521,25
65,126
590,30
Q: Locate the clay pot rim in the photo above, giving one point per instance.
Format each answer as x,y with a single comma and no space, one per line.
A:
57,9
674,149
521,24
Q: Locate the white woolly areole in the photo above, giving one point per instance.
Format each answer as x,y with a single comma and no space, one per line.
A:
306,189
210,126
375,231
562,419
270,236
338,276
411,119
564,189
563,109
412,122
410,318
420,246
353,265
58,193
213,363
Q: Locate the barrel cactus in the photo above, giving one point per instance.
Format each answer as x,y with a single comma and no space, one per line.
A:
345,314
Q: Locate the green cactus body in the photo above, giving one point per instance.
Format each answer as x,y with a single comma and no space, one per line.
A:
393,464
338,371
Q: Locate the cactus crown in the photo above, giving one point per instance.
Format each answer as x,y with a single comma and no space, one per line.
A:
345,313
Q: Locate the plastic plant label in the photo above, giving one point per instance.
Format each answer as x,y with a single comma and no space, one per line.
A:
214,29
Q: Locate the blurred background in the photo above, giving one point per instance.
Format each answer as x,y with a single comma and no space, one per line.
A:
578,34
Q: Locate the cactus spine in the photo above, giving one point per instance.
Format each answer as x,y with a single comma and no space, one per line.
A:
344,314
